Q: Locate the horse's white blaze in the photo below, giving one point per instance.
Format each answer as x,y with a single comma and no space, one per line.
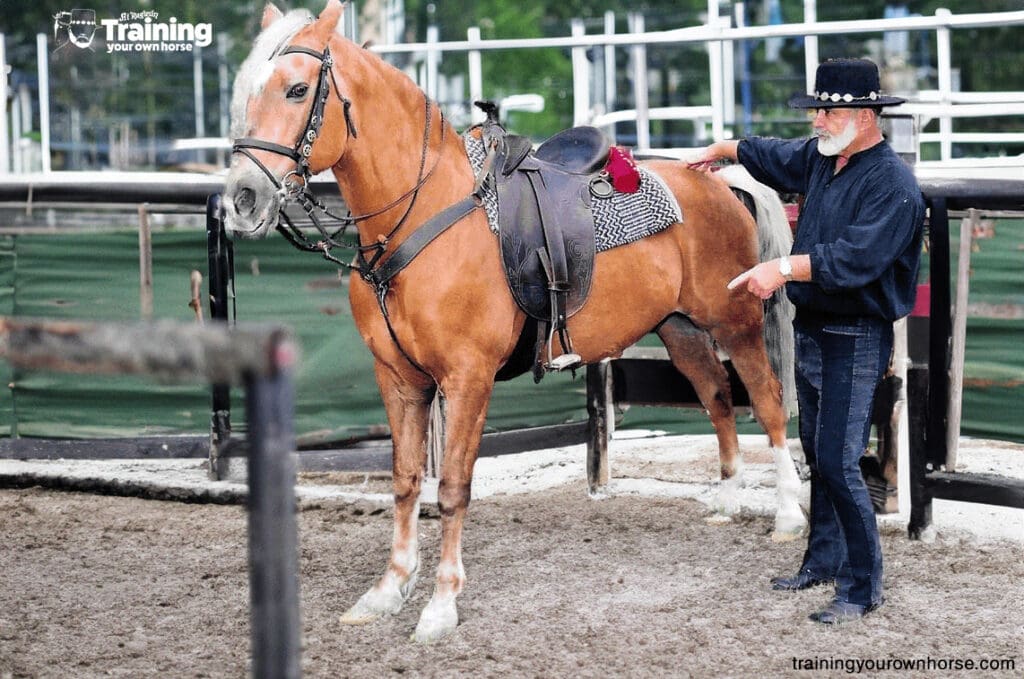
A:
259,66
789,518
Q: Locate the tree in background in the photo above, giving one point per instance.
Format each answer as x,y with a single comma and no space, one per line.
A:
152,94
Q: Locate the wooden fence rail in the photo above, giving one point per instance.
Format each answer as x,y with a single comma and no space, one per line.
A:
260,358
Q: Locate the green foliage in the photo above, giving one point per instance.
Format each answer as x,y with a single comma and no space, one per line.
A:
153,93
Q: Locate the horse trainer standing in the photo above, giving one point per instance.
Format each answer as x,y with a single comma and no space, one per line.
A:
851,273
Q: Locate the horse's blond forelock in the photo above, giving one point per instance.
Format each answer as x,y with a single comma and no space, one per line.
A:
259,65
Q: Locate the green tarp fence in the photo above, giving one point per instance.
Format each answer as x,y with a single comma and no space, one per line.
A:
94,276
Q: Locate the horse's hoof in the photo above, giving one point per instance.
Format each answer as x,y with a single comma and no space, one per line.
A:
786,535
361,614
438,620
718,520
358,616
789,525
373,605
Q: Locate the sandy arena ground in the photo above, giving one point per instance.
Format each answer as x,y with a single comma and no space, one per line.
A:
636,584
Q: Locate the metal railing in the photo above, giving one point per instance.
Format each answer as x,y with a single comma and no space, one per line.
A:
944,103
718,34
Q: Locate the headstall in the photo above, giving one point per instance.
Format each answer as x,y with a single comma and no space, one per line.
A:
295,185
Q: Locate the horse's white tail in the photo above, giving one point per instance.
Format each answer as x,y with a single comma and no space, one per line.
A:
775,240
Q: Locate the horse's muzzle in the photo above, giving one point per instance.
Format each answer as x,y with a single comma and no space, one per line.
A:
251,210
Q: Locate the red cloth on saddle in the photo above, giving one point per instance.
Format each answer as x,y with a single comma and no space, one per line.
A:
622,170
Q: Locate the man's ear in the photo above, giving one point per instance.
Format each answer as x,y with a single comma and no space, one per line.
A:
865,118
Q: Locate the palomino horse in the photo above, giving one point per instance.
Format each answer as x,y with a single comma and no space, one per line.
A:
451,321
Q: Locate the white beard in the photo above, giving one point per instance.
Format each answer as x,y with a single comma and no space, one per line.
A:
832,146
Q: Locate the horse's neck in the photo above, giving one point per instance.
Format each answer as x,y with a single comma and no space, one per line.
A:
383,163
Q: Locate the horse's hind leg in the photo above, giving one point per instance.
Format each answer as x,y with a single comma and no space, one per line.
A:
692,354
408,412
746,350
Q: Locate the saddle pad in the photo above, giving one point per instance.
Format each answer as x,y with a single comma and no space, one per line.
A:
619,219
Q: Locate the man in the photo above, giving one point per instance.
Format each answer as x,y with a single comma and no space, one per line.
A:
851,273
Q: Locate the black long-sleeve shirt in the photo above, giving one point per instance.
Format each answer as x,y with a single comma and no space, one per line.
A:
862,227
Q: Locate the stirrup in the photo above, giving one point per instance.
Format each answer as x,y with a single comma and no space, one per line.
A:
564,362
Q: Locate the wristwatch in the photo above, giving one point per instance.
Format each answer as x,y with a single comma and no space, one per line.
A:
785,268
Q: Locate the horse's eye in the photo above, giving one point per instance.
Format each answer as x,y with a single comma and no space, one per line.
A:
298,91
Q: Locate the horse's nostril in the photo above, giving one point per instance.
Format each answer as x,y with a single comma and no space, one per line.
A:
245,200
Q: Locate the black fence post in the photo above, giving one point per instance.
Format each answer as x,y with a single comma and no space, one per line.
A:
273,543
220,263
932,450
941,330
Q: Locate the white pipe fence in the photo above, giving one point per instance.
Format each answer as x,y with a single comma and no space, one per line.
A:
718,31
5,143
718,34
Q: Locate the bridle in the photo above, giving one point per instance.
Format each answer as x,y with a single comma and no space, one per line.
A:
303,148
295,185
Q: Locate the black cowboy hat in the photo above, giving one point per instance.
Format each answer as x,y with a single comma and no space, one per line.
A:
845,83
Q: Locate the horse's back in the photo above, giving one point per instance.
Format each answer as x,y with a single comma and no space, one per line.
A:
682,269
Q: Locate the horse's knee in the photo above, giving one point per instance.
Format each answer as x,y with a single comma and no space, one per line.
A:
452,497
406,487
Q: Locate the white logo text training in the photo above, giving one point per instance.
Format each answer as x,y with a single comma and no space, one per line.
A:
124,35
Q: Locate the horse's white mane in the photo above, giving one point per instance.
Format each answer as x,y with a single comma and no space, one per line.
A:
259,65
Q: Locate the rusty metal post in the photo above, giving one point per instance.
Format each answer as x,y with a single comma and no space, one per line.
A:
145,264
219,255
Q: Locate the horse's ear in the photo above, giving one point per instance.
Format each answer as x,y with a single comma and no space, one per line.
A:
329,18
270,15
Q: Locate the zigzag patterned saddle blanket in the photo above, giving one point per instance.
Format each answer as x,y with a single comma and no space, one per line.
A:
619,219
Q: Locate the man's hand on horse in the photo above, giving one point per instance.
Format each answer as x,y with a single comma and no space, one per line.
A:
709,156
762,280
704,164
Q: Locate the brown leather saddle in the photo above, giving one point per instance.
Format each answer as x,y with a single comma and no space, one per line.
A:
546,227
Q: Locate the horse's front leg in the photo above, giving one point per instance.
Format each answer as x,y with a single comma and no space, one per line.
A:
465,411
407,407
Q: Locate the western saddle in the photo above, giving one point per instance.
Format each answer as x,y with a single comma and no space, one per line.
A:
545,230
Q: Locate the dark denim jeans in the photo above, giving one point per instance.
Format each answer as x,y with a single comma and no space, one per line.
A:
839,361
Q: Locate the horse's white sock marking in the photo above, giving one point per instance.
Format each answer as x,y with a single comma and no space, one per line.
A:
440,616
789,518
727,502
396,586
